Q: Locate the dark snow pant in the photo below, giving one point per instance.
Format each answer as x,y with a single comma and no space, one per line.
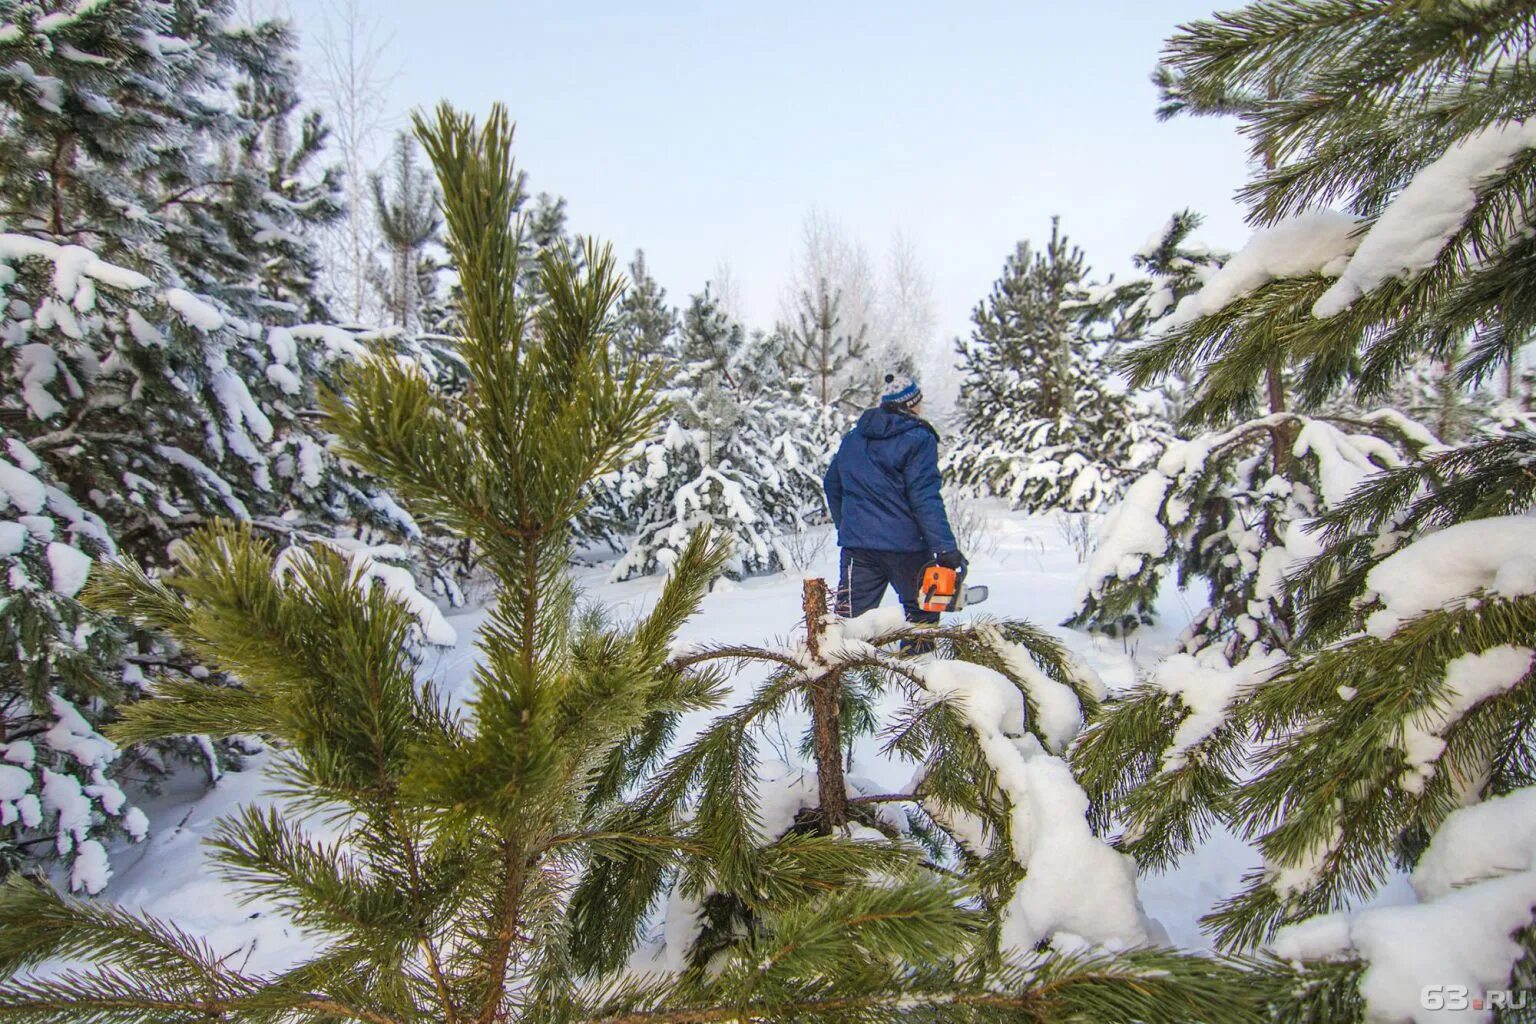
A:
866,573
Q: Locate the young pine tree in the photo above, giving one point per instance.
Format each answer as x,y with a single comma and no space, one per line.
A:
405,207
709,465
291,198
1175,265
1395,735
824,349
458,843
649,324
1040,422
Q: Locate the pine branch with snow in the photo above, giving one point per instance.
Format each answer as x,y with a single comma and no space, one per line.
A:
1217,509
1396,725
1416,126
991,803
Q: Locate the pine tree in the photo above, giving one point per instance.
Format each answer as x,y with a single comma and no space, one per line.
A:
826,350
457,844
1039,422
718,460
154,274
296,197
648,322
405,207
1175,266
1394,734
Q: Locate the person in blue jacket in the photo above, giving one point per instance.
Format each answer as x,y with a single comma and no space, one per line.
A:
885,495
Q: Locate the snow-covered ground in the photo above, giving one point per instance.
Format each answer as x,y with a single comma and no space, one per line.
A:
1030,566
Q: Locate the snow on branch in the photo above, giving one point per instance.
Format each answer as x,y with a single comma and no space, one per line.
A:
1312,243
1410,234
1476,885
1496,554
1075,889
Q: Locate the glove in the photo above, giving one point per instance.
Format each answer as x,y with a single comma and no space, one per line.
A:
953,560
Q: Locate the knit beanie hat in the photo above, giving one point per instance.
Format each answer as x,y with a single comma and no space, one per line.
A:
901,390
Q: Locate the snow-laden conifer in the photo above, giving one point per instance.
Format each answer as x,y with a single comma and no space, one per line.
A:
1394,218
1043,422
160,360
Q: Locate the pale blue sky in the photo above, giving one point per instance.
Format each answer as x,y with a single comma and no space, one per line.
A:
705,132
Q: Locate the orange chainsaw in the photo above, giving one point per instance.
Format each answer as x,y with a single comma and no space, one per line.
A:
943,590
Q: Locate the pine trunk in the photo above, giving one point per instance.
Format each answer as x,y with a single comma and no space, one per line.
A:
826,713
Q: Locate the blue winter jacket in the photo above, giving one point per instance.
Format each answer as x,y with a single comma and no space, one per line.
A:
883,486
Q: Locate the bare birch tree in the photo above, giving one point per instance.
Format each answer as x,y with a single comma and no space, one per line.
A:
354,80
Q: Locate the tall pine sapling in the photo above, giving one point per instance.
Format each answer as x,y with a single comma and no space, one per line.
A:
825,349
405,207
450,826
649,324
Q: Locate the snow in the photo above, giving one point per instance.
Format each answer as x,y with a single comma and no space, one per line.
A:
385,504
369,565
136,824
194,310
241,412
70,567
1497,836
71,734
21,489
19,752
1310,243
37,365
284,349
1207,685
62,19
48,91
90,870
1418,224
1477,887
144,332
338,343
1453,563
783,791
400,585
311,462
285,379
24,456
63,796
1344,461
14,783
1058,715
1129,536
74,265
1074,883
186,460
1469,680
1155,240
